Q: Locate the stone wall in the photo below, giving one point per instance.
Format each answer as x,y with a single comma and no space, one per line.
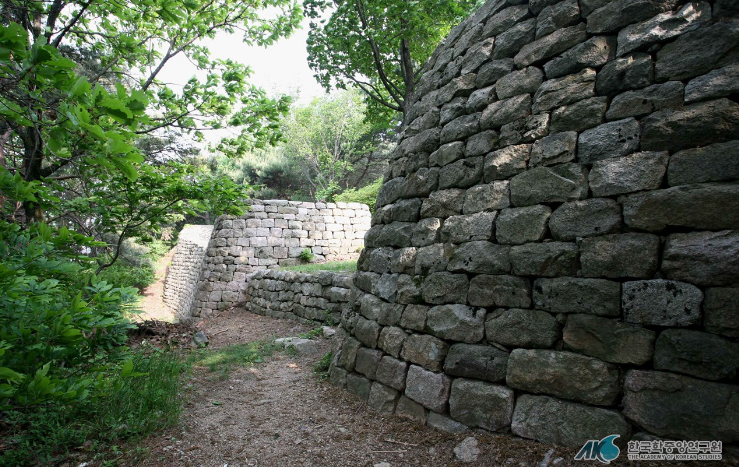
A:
274,233
555,250
320,296
184,270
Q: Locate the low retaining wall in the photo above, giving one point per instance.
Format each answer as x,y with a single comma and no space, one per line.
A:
274,233
320,296
184,271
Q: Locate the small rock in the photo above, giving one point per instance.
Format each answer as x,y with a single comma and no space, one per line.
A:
467,450
382,464
328,331
545,461
200,339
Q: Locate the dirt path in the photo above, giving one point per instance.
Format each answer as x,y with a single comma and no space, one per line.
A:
279,413
152,304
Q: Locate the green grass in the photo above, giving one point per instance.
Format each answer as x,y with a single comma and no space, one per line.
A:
121,410
223,361
335,266
321,366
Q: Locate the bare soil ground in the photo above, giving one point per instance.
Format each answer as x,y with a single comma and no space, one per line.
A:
280,413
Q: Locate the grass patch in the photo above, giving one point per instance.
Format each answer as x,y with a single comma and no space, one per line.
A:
335,266
127,408
321,367
223,361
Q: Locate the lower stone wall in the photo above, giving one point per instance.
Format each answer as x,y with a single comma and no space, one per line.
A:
320,296
183,273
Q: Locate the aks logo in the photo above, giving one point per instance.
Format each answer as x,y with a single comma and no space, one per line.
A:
603,451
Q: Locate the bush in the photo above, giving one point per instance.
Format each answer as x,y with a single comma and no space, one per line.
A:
128,275
306,256
365,195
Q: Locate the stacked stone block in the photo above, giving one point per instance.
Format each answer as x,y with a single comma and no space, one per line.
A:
320,296
555,249
271,234
184,271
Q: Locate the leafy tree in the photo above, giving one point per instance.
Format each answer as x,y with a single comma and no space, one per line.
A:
378,46
328,138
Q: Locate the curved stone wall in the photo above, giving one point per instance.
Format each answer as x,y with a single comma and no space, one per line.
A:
183,272
555,250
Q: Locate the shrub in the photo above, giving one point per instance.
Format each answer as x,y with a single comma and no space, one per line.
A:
365,195
306,256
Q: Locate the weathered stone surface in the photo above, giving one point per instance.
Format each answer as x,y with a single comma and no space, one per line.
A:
392,372
447,154
409,289
537,6
694,125
456,322
476,361
663,26
624,255
414,317
557,16
697,354
522,328
337,377
506,162
550,45
477,55
488,197
457,87
681,407
461,174
348,354
367,361
452,110
580,115
525,81
444,423
511,41
460,128
521,225
562,91
481,143
631,72
585,218
386,287
554,149
481,258
391,340
461,229
397,234
430,119
426,232
481,404
645,101
500,291
551,420
720,311
433,258
404,260
661,302
712,163
703,258
574,295
717,83
480,99
492,71
563,374
444,287
411,410
524,130
443,203
358,385
379,260
615,15
609,340
555,184
698,52
635,172
545,259
503,111
612,139
367,332
704,207
382,399
425,350
506,18
428,388
594,52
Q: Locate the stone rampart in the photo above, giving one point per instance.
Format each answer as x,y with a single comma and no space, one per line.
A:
555,250
320,296
274,233
183,272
